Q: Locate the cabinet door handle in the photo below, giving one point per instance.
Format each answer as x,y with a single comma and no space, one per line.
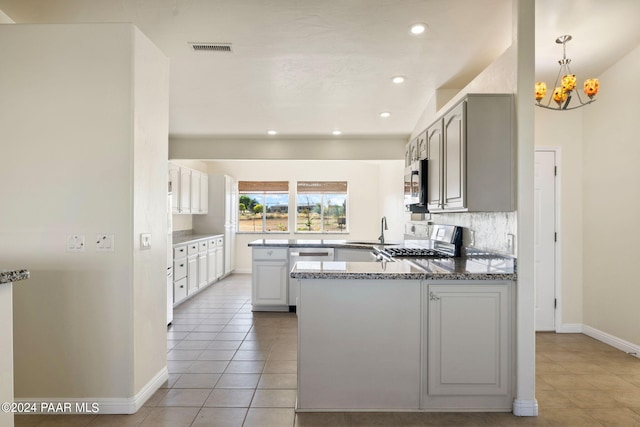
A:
433,297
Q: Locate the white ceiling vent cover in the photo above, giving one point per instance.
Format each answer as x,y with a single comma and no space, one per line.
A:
211,47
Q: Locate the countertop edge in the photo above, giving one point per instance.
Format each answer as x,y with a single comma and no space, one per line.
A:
186,239
403,276
10,276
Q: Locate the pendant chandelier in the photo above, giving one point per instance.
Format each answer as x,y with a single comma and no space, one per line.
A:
565,85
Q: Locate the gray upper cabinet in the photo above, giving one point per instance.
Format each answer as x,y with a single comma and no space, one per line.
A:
411,152
471,156
454,158
421,148
434,172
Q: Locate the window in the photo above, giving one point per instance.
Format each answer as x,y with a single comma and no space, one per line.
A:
321,206
263,206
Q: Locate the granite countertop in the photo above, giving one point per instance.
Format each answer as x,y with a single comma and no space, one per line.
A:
462,268
320,243
10,276
180,238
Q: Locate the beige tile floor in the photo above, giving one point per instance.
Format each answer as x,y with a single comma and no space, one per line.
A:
231,367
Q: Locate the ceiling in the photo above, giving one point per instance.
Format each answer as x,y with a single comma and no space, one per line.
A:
308,67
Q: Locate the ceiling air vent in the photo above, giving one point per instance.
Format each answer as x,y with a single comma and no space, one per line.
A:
211,47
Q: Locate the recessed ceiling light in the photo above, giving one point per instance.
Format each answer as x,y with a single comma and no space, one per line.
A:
418,28
337,132
398,79
272,132
385,114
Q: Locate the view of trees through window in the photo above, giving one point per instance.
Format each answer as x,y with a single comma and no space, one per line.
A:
321,206
263,206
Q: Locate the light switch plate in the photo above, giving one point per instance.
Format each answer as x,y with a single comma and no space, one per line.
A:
145,241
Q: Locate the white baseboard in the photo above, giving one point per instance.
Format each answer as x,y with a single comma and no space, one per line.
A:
525,408
97,405
613,341
569,328
242,270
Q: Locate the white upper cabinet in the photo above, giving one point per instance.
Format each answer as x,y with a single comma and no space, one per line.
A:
204,193
189,190
174,187
195,192
184,206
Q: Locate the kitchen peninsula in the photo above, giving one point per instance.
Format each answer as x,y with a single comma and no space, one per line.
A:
418,334
435,335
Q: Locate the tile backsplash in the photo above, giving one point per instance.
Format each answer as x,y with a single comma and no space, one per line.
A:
490,229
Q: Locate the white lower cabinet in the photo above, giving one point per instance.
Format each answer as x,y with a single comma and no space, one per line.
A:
468,345
179,290
192,274
202,270
179,273
196,264
211,265
270,278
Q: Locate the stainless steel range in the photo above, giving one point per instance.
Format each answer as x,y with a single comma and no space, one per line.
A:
445,242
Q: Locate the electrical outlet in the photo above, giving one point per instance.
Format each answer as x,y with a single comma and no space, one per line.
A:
105,242
510,243
75,243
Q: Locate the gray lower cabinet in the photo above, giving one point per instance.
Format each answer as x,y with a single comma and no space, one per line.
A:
270,279
468,345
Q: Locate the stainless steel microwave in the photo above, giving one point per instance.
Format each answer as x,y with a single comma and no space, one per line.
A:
415,186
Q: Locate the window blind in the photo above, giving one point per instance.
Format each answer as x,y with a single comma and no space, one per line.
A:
263,186
323,187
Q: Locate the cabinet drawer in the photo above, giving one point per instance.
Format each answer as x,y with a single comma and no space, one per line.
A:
270,253
180,251
192,248
202,246
179,290
179,269
220,242
211,243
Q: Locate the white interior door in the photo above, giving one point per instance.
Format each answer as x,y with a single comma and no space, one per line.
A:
545,246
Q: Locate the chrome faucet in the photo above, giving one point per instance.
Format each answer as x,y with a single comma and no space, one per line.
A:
383,226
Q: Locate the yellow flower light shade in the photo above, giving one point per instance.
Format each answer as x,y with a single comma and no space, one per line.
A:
559,95
591,87
568,82
565,93
541,90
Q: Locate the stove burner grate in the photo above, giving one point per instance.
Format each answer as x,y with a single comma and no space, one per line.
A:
416,252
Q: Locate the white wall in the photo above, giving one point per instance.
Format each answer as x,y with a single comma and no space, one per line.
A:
68,123
150,151
611,203
370,195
